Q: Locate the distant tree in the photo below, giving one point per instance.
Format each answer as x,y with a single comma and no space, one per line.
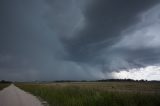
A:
3,81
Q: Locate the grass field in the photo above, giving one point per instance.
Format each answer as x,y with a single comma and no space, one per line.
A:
97,93
3,86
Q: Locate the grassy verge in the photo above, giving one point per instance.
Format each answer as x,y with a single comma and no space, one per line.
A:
3,86
95,94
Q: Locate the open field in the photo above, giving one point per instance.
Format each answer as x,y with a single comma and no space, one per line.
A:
97,93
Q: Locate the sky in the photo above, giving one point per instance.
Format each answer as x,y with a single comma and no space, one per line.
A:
49,40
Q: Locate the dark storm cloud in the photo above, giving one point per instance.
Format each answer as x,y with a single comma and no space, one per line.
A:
26,38
140,44
30,46
104,21
70,39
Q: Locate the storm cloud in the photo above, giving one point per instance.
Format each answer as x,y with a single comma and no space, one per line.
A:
76,40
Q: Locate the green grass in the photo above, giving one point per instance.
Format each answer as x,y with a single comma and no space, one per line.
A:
96,94
3,86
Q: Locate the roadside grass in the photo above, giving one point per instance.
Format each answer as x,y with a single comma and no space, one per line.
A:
3,86
96,94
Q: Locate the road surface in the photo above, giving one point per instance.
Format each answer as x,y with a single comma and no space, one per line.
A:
13,96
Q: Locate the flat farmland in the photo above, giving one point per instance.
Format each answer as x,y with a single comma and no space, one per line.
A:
96,93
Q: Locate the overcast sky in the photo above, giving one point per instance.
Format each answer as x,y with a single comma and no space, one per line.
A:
79,39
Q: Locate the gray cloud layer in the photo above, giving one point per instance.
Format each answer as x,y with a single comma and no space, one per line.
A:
59,39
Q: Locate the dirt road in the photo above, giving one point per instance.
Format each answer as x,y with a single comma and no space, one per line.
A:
13,96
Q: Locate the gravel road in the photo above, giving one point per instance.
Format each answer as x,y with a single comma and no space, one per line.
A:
13,96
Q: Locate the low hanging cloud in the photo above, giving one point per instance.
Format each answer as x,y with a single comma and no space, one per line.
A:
59,39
